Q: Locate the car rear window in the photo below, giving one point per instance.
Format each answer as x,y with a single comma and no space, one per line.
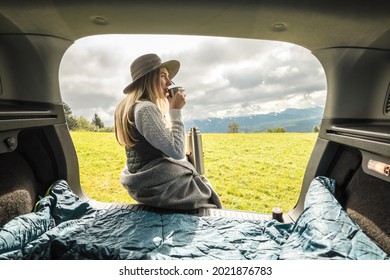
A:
258,105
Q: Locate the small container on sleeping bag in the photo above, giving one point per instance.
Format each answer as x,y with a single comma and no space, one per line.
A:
277,214
195,148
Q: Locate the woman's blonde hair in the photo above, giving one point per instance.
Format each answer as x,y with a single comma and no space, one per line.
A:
144,89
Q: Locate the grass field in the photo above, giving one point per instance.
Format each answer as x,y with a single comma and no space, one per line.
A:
253,172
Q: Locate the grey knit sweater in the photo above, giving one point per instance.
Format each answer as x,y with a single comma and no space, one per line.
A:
150,124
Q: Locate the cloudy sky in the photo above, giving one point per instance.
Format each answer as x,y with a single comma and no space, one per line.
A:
222,77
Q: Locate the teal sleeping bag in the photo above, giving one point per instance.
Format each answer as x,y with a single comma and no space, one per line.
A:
65,227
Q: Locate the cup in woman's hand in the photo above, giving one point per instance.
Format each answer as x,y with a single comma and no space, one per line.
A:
173,90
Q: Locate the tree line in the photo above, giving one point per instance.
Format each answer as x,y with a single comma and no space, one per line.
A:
82,124
234,127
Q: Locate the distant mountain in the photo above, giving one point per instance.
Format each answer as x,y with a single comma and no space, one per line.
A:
292,120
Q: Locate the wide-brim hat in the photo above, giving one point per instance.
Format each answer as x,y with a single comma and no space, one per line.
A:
147,63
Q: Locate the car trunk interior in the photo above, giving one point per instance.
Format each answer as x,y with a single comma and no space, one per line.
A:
36,148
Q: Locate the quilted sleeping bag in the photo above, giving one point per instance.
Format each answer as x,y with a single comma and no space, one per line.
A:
65,227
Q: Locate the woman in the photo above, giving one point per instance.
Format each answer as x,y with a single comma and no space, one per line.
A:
149,125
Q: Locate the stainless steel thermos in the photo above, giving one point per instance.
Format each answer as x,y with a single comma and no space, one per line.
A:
195,147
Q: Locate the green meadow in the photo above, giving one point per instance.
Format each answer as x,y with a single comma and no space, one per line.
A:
252,172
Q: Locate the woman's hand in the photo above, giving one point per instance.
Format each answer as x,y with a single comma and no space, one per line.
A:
177,101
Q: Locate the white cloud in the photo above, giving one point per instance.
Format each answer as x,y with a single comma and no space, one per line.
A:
223,77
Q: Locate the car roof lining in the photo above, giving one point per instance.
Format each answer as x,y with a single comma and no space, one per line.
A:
310,24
